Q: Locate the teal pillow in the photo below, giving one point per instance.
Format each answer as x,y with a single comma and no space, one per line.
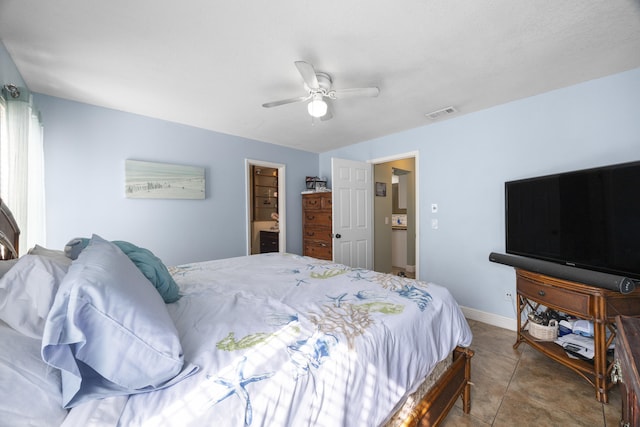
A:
149,264
153,269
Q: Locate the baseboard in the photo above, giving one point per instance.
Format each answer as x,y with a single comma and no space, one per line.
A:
490,318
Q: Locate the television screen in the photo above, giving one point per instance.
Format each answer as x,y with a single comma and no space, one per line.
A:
588,219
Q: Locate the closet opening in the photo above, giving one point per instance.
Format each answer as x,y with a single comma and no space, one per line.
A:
266,211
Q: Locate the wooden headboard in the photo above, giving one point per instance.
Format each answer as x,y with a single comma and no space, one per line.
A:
9,233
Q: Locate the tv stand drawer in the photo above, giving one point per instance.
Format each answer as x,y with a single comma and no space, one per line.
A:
568,301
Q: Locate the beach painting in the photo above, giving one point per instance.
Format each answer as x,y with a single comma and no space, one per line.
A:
150,180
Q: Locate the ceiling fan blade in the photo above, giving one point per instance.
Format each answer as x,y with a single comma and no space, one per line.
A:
353,92
308,74
285,101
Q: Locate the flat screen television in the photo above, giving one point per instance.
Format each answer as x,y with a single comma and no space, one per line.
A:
588,219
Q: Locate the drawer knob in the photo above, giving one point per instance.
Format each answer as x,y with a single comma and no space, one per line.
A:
616,372
542,293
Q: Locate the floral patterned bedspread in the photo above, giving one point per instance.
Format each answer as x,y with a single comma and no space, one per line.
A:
285,340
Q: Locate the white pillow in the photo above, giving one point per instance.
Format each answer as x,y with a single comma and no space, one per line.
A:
109,331
27,292
51,253
29,388
5,265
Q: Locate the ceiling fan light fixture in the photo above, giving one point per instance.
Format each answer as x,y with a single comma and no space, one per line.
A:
317,107
318,86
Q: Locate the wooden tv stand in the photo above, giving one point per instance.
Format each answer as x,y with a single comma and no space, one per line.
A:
539,292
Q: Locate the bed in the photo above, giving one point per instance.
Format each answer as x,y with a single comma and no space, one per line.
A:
105,337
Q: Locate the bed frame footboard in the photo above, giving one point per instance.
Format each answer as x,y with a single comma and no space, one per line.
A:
454,383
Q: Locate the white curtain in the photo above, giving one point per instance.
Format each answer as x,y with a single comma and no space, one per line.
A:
22,167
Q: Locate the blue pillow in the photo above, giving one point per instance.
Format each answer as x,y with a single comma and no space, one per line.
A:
108,330
149,264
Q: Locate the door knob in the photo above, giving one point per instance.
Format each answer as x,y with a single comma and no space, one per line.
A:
338,236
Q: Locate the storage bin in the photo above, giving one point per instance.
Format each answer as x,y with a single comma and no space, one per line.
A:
544,333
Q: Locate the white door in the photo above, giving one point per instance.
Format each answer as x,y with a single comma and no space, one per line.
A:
352,208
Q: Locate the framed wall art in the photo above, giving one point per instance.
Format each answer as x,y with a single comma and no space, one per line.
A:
150,180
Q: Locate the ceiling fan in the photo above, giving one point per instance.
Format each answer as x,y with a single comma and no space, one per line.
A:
318,85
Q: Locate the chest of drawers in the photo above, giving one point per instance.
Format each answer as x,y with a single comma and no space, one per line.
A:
268,241
626,365
316,225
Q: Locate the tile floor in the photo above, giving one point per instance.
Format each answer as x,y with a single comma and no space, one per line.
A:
525,388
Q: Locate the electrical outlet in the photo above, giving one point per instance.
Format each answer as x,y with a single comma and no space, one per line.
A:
507,295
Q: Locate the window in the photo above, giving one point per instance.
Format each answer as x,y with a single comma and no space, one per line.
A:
22,166
4,150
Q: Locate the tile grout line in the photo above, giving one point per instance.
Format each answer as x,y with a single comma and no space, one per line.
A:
506,390
527,349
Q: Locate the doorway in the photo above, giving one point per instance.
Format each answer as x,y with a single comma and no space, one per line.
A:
266,218
395,215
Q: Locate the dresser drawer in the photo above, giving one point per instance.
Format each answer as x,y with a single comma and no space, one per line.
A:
268,241
317,201
564,300
317,249
316,218
322,234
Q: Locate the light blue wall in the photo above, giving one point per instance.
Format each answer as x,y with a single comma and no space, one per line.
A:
85,152
464,162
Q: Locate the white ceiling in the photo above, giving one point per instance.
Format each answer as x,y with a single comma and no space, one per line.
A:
213,63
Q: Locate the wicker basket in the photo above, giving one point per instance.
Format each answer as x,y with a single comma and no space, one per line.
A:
544,333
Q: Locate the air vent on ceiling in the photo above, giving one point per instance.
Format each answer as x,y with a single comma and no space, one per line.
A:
443,112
